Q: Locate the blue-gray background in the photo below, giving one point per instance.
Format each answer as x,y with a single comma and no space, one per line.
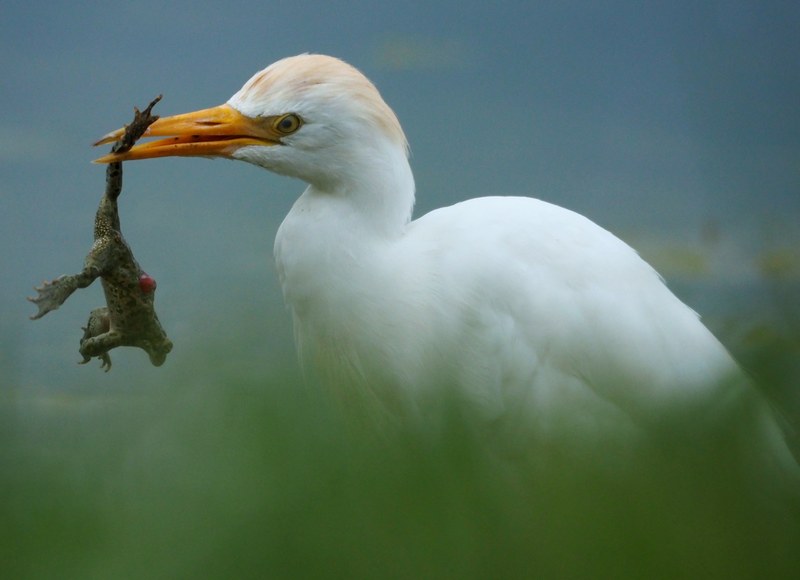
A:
674,125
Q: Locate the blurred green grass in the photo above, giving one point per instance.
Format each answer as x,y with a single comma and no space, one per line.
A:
228,475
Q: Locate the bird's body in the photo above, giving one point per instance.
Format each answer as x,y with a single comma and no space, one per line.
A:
512,301
531,313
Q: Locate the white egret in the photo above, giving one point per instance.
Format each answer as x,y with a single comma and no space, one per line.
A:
533,313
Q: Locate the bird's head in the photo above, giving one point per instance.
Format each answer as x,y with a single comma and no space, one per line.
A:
307,116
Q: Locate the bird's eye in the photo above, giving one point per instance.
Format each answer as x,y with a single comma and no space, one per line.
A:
287,124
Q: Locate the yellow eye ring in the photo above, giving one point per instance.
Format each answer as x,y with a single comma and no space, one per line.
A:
287,124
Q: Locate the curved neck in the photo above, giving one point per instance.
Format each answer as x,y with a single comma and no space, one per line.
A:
373,191
331,246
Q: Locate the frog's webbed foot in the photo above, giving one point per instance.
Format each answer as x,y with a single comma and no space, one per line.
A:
52,294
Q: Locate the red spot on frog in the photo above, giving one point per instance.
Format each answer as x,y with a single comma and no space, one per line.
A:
147,284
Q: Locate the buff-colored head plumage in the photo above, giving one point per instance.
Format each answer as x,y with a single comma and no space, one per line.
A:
313,117
311,80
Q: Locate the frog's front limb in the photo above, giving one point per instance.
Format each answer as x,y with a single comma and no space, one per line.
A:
99,346
52,294
98,338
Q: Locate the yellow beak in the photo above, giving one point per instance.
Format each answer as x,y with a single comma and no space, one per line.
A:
215,132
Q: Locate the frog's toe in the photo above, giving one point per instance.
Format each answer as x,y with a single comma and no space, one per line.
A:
42,304
50,295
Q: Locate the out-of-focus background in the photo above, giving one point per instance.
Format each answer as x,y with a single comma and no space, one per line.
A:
674,125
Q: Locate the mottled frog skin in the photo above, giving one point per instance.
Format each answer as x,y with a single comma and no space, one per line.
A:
129,319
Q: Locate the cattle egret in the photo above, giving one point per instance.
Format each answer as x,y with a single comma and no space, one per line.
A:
533,314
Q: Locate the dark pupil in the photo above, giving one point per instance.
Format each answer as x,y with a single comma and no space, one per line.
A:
287,124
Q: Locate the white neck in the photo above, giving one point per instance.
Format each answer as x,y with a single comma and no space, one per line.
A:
338,226
332,253
373,190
